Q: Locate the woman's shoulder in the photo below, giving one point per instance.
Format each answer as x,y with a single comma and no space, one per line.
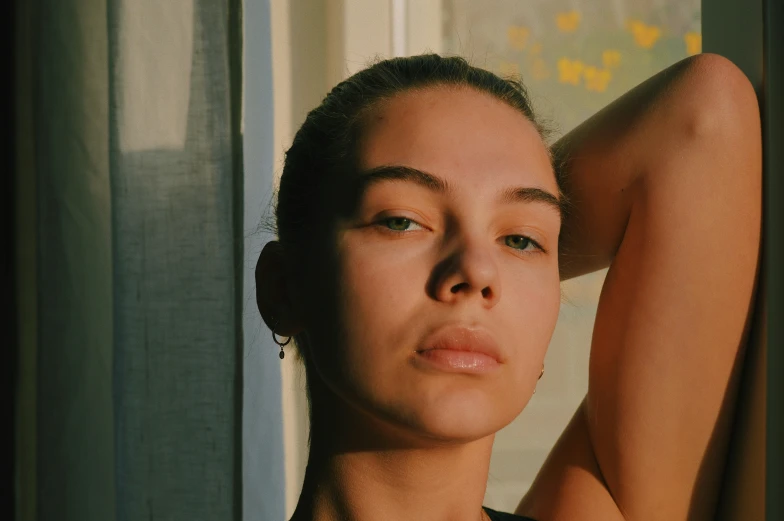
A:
501,516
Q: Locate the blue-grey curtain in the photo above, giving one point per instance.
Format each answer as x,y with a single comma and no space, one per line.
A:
263,480
173,173
142,253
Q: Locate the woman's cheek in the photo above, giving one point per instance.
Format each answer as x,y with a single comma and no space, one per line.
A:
382,269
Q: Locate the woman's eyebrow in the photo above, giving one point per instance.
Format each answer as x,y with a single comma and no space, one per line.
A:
532,195
402,173
438,185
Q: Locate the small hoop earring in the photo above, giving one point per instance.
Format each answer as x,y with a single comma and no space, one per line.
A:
280,343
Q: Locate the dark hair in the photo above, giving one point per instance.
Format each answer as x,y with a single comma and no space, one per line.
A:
326,144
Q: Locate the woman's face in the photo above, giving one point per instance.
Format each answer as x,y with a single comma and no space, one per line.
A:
447,275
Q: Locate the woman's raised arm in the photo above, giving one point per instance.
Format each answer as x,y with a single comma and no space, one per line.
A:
665,186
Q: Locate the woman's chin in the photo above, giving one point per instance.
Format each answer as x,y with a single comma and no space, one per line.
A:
459,430
465,426
459,419
433,410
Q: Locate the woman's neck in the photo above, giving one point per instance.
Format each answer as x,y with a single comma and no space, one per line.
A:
366,473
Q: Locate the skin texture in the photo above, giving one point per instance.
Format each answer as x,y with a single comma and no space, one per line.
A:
665,185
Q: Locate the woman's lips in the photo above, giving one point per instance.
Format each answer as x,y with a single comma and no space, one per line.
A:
460,349
459,361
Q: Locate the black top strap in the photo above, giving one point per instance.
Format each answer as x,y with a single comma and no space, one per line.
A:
500,516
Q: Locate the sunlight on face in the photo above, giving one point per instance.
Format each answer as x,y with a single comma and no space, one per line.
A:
448,268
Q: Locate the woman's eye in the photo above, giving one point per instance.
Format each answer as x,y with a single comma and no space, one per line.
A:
520,242
400,224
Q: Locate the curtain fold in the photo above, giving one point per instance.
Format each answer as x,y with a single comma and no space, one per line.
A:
263,473
173,174
74,360
140,261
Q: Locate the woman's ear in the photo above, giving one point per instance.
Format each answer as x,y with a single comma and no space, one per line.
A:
273,294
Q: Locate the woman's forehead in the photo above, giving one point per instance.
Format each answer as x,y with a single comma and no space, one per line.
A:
463,135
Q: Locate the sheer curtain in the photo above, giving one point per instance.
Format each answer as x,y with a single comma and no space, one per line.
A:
141,323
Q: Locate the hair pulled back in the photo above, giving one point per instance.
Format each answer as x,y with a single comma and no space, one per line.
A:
327,144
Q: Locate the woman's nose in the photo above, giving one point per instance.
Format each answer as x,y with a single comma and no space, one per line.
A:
470,271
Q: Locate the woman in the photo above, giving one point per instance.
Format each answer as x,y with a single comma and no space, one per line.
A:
424,227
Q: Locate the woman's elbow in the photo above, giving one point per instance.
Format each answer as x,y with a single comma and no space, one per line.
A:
722,101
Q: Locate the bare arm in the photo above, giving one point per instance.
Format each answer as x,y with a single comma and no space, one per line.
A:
666,189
